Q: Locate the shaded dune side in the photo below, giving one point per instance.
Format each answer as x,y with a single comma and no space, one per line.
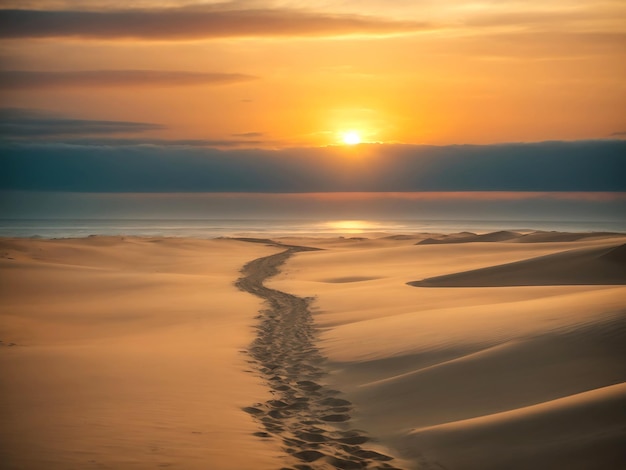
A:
502,377
308,417
579,432
599,266
548,401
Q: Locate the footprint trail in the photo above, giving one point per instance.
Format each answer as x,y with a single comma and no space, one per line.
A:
311,420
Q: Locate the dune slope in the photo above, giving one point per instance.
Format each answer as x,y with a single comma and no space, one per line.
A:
581,432
597,266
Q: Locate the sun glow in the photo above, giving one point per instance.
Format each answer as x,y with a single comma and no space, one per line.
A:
351,138
351,226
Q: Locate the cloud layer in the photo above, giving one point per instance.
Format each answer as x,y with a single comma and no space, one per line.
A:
35,125
22,79
548,166
191,23
15,122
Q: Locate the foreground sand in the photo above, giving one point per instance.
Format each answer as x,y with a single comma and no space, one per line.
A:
127,352
127,356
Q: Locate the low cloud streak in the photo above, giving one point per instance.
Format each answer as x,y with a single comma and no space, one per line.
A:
22,79
34,124
192,23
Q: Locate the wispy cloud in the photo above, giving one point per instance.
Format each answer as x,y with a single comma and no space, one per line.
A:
22,79
121,142
31,123
249,134
192,23
586,18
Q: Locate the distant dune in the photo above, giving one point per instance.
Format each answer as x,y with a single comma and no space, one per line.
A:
508,236
468,237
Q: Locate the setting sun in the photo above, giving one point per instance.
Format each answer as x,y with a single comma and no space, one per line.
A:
351,138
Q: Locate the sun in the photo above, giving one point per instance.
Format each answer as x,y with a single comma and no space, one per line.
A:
351,138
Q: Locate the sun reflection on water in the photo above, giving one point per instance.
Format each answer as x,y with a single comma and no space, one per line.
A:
352,226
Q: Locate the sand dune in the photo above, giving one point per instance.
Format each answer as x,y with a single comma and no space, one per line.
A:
581,431
465,378
468,237
509,236
514,374
602,266
138,353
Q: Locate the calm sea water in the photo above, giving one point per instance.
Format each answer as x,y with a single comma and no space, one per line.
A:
213,228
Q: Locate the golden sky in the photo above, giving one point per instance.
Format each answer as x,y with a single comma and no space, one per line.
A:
287,73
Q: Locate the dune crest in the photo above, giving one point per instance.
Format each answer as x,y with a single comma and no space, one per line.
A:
515,237
581,431
598,266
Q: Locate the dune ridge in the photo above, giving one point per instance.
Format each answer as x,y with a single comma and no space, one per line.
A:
581,431
597,266
525,371
514,237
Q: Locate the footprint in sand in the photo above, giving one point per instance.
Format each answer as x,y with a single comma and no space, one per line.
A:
308,418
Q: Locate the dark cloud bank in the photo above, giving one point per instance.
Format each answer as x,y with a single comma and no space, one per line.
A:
546,166
190,23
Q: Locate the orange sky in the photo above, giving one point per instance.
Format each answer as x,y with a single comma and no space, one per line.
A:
392,70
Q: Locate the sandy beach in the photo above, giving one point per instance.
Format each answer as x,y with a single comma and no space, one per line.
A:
463,351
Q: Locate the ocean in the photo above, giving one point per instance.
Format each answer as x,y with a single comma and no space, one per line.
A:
214,228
